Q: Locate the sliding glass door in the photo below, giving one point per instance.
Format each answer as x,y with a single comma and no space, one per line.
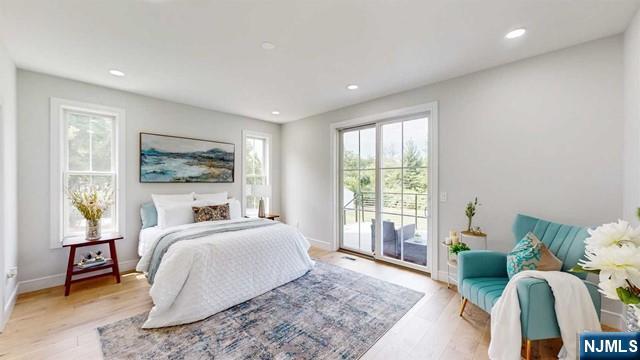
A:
404,192
358,188
385,190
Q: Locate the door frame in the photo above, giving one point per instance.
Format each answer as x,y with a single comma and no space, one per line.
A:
432,108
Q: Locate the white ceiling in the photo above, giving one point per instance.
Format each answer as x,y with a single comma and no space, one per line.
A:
209,54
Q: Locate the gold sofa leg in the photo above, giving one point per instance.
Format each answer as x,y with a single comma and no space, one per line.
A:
464,303
527,350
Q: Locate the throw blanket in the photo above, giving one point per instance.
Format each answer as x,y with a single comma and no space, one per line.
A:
574,311
162,245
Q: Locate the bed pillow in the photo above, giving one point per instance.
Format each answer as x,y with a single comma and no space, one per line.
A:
217,198
210,213
167,199
531,254
148,215
179,213
175,214
163,200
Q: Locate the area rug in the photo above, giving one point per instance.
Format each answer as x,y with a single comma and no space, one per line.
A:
329,313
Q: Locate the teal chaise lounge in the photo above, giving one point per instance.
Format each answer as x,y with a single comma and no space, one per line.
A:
482,276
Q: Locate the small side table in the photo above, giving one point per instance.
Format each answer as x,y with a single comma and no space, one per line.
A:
452,267
475,241
72,269
272,216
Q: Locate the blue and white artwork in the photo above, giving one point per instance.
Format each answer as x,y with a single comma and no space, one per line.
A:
172,159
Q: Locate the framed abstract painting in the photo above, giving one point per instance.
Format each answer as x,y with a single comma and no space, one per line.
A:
174,159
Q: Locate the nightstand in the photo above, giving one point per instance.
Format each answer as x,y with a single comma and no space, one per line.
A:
73,269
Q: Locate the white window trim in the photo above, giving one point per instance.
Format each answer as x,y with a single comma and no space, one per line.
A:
57,108
267,136
432,108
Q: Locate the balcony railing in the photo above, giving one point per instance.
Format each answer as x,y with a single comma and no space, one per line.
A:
367,200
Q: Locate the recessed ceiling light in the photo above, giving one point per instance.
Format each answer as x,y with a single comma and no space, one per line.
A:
352,86
515,33
116,72
268,46
275,112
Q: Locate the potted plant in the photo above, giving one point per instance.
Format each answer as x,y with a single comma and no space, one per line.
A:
91,202
470,212
456,248
613,253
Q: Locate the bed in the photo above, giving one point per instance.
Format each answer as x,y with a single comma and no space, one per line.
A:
199,269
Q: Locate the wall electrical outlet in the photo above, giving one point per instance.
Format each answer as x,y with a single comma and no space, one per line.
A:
12,272
443,196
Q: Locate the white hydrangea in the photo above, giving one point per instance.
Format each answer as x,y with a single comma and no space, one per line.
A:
617,263
614,250
613,234
608,287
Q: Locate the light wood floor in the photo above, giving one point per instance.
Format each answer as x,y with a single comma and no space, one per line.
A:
46,325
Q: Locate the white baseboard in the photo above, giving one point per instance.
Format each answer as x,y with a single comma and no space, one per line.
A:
442,276
48,281
325,245
9,308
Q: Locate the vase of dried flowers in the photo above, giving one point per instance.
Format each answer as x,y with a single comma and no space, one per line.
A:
92,203
93,229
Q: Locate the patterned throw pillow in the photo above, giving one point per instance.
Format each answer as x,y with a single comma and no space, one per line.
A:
211,213
548,261
531,254
524,256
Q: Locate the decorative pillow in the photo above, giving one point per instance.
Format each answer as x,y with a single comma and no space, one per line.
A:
211,213
548,261
531,254
217,198
149,215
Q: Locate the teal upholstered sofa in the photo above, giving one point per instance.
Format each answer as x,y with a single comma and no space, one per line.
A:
482,276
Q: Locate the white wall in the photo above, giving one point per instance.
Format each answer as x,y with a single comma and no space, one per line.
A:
540,136
631,198
36,260
631,168
8,183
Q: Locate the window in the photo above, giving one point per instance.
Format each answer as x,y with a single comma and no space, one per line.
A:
86,144
256,180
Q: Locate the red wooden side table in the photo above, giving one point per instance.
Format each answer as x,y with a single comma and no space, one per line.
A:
72,269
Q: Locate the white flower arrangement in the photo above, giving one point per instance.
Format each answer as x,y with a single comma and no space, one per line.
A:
91,201
613,252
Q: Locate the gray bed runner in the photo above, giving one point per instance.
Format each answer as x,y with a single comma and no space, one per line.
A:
168,239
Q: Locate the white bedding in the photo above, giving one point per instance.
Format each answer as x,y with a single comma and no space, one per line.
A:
147,237
200,277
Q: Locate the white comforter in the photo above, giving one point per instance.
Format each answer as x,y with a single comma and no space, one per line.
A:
200,277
